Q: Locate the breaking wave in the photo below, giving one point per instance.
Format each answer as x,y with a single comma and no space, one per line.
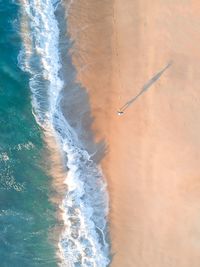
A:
85,205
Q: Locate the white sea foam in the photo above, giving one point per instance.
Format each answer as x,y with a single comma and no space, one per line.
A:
85,206
4,156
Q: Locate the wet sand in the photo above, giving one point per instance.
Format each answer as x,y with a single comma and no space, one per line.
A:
152,162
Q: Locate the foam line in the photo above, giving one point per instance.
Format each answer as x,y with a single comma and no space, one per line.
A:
85,205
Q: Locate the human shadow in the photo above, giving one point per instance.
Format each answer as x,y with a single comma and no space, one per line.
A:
145,87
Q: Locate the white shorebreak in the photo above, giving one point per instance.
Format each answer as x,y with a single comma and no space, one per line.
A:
85,206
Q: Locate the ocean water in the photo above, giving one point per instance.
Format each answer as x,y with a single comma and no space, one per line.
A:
32,88
26,214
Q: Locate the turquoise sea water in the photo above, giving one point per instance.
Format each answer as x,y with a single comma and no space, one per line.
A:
26,213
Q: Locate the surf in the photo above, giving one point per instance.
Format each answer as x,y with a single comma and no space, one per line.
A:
84,240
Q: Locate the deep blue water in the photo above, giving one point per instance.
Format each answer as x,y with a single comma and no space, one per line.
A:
26,213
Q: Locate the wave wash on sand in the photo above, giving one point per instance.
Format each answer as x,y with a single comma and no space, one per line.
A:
83,242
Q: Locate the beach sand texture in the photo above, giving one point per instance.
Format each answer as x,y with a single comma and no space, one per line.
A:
152,164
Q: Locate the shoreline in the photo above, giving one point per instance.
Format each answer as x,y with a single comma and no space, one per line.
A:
82,214
151,164
61,109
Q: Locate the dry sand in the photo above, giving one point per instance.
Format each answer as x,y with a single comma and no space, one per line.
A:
153,160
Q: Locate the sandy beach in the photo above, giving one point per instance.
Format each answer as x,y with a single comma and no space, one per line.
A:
153,150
